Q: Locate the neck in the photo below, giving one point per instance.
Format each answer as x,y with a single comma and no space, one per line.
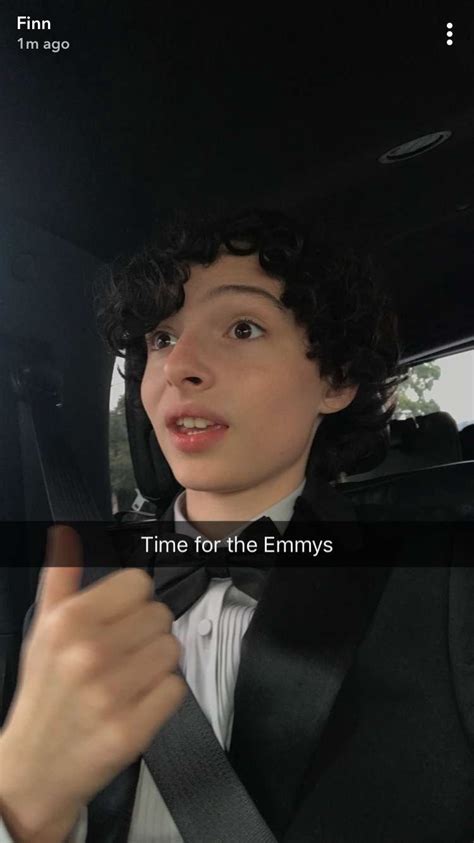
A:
214,514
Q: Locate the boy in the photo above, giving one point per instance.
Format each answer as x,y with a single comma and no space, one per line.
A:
265,366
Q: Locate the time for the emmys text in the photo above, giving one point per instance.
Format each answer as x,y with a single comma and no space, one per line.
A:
27,24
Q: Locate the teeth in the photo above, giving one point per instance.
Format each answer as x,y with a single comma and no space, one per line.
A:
189,422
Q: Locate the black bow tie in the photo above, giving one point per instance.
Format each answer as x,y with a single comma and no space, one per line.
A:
179,586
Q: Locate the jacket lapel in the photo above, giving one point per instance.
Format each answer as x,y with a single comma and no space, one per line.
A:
295,656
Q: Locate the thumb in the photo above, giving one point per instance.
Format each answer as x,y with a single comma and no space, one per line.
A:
61,574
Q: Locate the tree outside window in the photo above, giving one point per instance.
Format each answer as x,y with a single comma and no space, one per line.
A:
122,478
413,397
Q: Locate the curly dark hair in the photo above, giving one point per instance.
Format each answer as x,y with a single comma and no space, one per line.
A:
334,292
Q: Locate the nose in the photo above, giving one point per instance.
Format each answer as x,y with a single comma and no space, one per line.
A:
188,362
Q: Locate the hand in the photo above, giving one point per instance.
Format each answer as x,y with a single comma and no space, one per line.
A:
96,682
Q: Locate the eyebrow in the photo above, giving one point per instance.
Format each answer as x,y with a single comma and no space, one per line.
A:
246,288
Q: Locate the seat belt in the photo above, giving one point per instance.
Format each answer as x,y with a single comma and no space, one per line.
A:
204,795
39,394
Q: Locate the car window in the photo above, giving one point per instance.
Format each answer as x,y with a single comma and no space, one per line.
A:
125,493
445,384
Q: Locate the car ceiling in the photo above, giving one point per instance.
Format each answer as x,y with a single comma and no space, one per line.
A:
156,108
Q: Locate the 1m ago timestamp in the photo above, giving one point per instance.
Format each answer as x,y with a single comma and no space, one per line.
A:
51,46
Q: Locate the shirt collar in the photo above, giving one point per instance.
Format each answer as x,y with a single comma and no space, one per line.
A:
280,512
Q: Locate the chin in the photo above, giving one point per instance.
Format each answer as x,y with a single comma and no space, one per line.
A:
201,485
199,481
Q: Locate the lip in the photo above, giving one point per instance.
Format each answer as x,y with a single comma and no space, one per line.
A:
193,443
192,411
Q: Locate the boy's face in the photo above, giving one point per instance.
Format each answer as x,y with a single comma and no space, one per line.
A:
239,357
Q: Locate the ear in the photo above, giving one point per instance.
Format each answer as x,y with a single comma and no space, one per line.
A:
338,399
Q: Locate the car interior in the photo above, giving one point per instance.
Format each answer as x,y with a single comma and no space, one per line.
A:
365,124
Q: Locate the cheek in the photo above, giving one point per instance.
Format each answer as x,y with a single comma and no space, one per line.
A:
294,396
280,416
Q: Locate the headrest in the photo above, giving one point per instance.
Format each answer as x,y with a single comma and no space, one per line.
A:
446,489
418,443
154,477
467,442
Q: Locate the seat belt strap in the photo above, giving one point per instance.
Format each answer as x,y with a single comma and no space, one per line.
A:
200,787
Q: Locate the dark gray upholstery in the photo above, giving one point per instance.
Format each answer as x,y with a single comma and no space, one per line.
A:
467,442
445,492
418,443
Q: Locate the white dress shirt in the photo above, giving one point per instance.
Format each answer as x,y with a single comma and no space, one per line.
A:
211,633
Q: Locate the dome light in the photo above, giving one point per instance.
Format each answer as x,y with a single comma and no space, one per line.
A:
415,147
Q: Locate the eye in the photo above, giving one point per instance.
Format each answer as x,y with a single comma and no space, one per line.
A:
160,340
243,330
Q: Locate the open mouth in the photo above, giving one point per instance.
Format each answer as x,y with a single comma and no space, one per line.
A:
192,439
192,431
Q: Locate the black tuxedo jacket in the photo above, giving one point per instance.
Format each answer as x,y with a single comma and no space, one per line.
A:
354,703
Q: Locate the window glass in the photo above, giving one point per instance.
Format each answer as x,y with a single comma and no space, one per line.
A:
445,384
125,493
